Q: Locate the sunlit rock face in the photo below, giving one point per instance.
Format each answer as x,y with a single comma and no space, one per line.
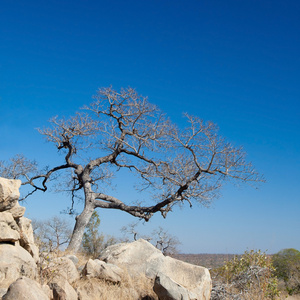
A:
9,193
18,253
142,257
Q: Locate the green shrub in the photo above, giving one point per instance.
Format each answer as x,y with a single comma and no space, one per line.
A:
94,242
287,265
250,275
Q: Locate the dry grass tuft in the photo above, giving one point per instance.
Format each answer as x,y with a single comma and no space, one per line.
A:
129,289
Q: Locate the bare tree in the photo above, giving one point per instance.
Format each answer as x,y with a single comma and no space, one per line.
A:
18,166
160,238
130,229
165,242
51,234
122,130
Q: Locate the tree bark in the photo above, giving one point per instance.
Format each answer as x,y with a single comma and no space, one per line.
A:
81,222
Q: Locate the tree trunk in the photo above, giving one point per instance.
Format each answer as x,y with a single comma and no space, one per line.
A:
81,222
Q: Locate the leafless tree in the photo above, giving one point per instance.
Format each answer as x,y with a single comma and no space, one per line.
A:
160,238
130,230
122,130
165,242
18,166
51,234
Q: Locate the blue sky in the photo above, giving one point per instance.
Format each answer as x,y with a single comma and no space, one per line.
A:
235,63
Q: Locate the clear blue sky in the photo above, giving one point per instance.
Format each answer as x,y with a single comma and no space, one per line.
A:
236,63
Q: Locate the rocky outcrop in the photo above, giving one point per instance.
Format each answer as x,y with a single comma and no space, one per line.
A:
17,256
140,257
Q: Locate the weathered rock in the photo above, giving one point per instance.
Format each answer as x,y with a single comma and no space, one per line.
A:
100,269
142,257
62,290
138,257
195,278
25,289
63,267
8,228
17,211
26,237
15,262
9,193
167,289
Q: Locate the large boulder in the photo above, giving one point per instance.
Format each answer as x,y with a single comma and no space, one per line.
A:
9,230
9,193
142,257
26,289
15,262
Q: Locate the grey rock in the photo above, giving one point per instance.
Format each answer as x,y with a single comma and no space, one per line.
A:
73,258
167,289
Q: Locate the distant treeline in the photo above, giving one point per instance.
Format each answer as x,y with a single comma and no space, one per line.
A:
209,261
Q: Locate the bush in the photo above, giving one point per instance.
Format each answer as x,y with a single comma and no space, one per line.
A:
94,242
287,265
251,276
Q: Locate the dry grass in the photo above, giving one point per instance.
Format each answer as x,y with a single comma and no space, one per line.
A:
129,289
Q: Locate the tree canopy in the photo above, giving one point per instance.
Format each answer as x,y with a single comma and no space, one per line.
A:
123,130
